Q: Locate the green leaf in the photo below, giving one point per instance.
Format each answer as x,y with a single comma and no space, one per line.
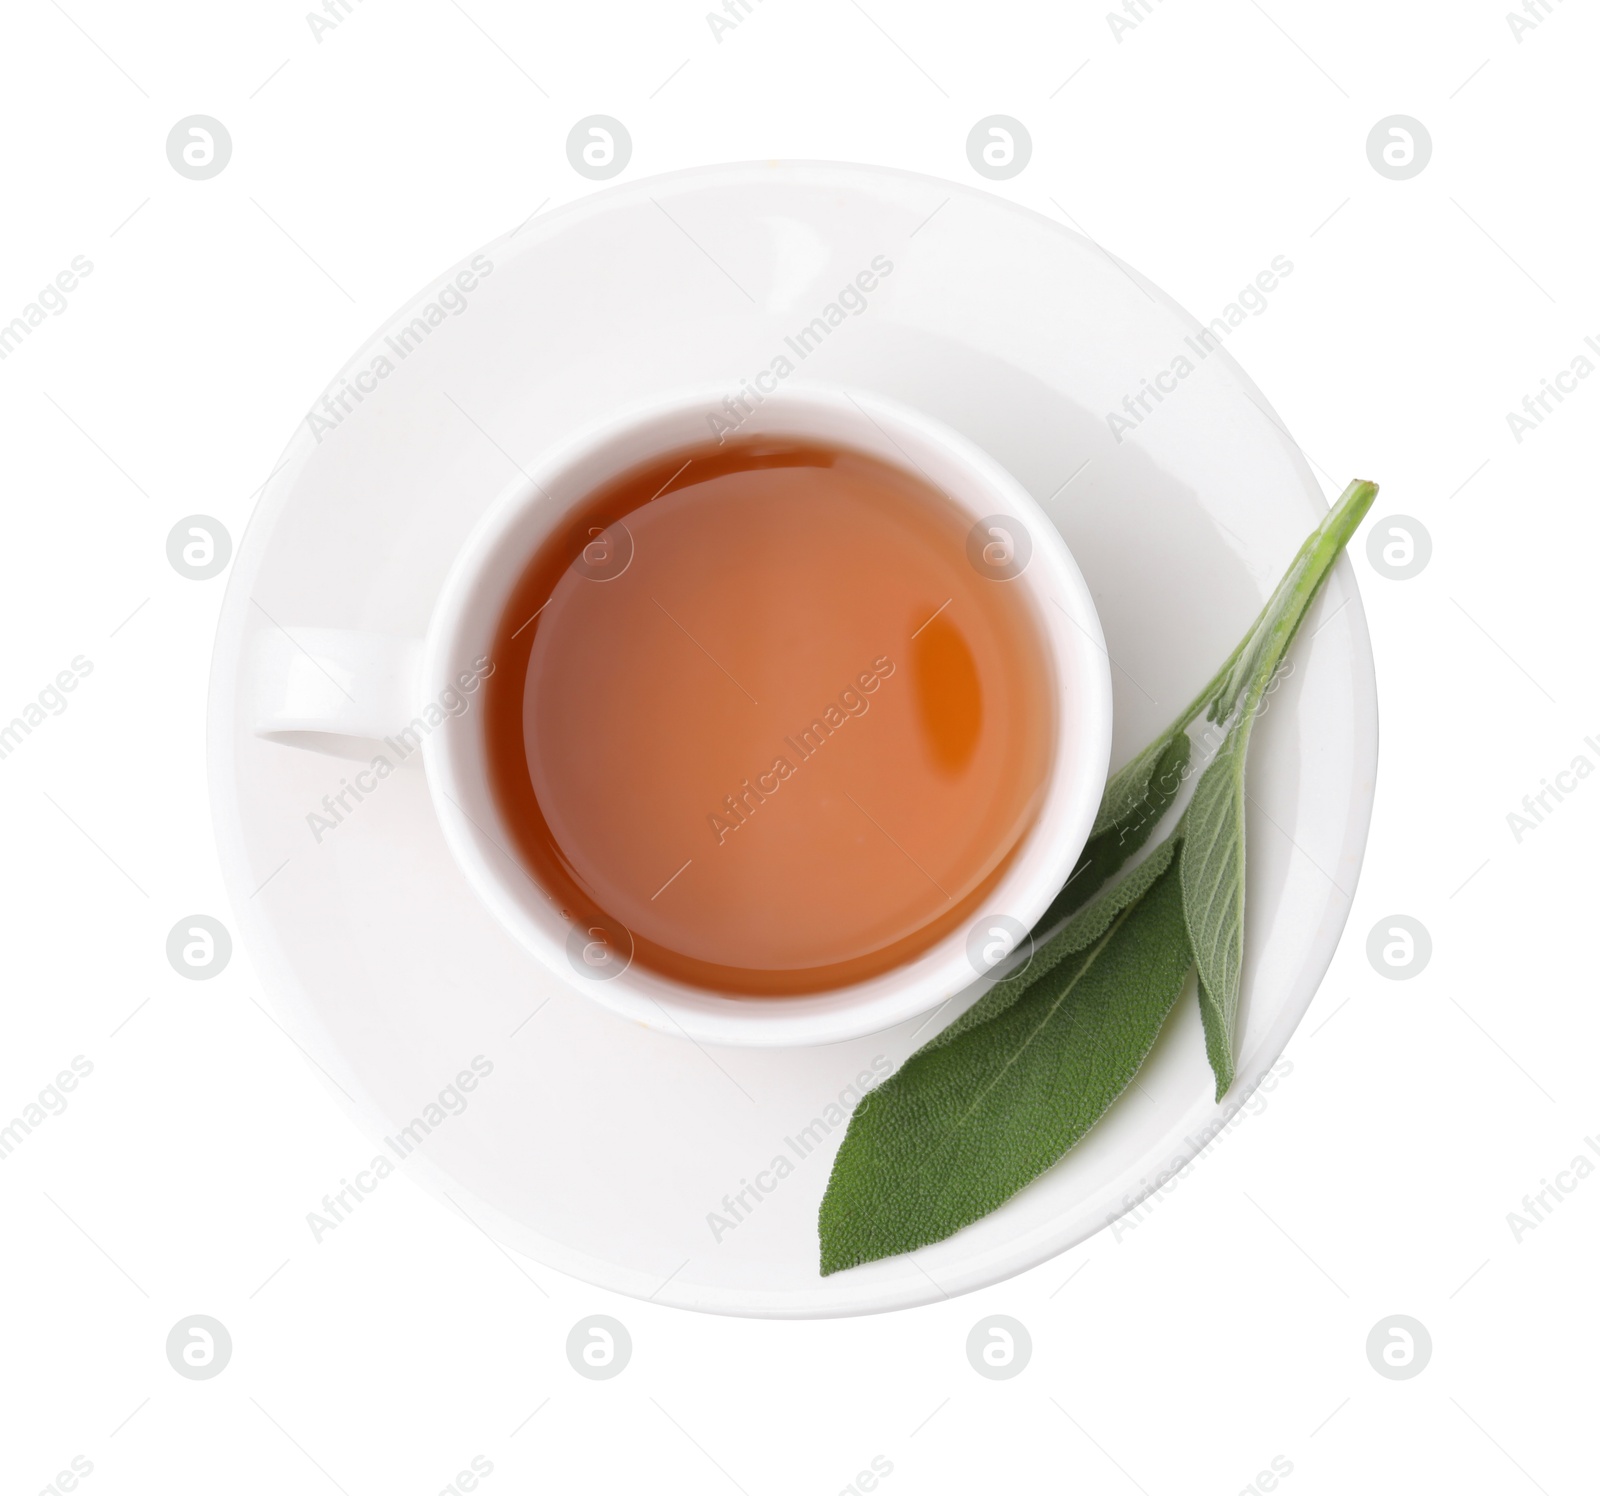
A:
1212,873
1213,862
965,1124
1219,1038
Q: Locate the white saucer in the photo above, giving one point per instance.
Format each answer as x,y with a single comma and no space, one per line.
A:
595,1146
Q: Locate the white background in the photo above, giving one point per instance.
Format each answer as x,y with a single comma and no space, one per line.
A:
1229,1327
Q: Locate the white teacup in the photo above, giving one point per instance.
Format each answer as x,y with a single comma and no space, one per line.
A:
318,688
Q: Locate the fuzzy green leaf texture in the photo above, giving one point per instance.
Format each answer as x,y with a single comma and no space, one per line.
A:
1212,873
970,1119
1212,866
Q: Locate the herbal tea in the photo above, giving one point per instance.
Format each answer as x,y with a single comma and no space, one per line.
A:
756,705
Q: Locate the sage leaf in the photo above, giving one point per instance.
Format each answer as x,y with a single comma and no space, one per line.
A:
964,1125
1212,867
1212,874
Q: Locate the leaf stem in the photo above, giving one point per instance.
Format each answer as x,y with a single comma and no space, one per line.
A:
1317,553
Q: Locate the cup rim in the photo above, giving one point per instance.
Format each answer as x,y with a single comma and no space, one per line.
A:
1045,856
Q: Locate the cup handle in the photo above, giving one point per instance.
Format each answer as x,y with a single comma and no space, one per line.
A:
320,688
